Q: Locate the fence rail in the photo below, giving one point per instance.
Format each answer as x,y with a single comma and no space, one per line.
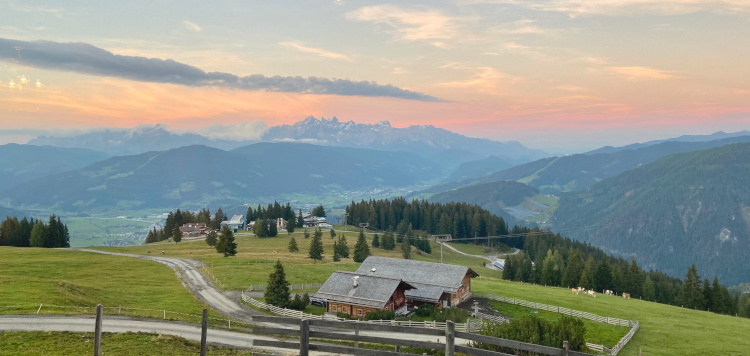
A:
263,287
558,309
633,325
468,326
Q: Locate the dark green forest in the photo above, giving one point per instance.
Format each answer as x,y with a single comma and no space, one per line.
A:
34,233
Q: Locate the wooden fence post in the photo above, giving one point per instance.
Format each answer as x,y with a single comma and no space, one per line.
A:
304,338
565,348
356,332
450,338
639,350
204,329
98,331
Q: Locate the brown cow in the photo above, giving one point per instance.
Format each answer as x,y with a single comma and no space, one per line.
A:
626,295
575,291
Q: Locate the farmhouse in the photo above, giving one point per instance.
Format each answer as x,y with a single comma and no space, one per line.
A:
356,294
235,223
193,229
442,285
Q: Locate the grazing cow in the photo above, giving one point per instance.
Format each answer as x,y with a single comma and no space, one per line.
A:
591,293
149,251
163,252
626,295
608,292
575,291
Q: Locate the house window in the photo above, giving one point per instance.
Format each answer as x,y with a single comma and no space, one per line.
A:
343,309
334,308
359,312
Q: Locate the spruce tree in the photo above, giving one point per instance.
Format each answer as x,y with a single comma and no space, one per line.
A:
316,247
649,292
406,248
277,290
290,226
361,250
226,244
376,241
307,234
333,233
573,272
272,229
211,238
691,295
300,219
343,248
293,245
38,235
176,234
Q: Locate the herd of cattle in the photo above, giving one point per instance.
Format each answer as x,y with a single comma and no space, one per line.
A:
593,294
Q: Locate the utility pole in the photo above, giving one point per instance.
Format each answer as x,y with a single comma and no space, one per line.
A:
441,252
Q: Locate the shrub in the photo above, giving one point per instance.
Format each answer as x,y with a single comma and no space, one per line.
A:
380,315
538,331
299,303
425,310
453,314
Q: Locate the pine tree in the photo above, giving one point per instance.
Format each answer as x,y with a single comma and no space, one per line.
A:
272,229
691,295
333,233
38,235
405,248
307,234
300,219
573,272
343,247
649,292
361,250
226,244
316,247
290,226
319,211
376,241
293,245
176,234
211,238
277,290
603,275
548,270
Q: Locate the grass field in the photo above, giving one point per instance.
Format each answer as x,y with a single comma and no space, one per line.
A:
67,343
96,231
59,277
665,330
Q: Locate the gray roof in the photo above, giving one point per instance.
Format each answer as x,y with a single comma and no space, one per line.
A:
371,291
431,279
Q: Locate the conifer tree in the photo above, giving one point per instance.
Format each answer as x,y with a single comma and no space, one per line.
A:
290,226
277,291
293,245
691,295
573,272
176,234
333,233
343,248
307,234
38,235
300,219
361,250
406,248
226,244
376,241
272,229
211,238
316,247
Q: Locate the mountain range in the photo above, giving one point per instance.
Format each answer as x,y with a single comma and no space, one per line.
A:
684,208
22,163
449,148
198,175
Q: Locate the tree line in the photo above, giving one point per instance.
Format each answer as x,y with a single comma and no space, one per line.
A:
552,260
178,218
460,220
28,232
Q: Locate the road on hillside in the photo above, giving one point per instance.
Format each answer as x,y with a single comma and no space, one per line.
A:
196,282
488,258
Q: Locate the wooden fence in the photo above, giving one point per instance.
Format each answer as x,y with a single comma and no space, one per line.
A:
408,337
633,325
262,287
468,326
557,309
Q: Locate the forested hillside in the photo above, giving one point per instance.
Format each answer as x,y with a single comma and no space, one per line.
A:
503,199
198,175
22,163
682,209
579,172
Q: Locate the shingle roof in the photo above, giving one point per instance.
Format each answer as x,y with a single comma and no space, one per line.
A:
431,279
371,291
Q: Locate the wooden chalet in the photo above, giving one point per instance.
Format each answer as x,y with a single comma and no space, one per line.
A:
442,285
356,294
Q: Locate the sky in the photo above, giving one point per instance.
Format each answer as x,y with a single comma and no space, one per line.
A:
559,75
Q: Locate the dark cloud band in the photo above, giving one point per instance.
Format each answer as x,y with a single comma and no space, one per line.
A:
85,58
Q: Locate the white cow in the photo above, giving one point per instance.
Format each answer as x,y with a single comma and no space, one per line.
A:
591,293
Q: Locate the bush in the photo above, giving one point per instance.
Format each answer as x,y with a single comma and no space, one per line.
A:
344,315
453,314
299,303
538,331
380,315
425,310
